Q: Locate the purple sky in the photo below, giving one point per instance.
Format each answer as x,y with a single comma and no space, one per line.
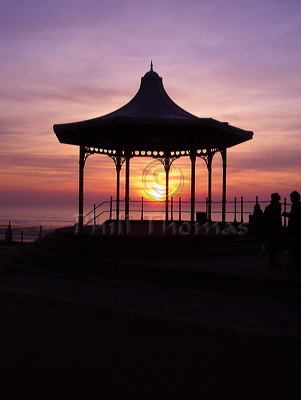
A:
63,61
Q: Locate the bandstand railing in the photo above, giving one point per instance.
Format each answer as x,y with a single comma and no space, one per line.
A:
237,210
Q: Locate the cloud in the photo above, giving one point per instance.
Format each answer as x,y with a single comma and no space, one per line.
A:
71,60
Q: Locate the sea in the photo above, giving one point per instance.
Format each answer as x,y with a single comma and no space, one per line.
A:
30,222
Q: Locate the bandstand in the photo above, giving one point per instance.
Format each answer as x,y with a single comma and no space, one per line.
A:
152,125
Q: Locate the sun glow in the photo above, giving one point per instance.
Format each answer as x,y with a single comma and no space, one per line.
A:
157,194
154,180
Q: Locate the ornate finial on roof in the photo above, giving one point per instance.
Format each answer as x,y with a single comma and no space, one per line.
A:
151,65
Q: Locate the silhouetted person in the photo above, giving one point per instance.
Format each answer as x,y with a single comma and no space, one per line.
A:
8,233
273,229
256,219
294,230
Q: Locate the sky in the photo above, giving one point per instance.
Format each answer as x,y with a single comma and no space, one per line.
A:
70,60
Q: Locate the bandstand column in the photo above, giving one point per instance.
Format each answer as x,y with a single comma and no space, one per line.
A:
118,169
192,186
209,168
224,159
127,184
167,169
81,187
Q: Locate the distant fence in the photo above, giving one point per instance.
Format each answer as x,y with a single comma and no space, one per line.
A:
237,210
11,233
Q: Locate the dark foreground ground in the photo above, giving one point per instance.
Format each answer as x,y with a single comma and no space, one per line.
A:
57,351
61,342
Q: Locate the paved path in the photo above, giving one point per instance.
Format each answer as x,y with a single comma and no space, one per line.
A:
261,311
74,339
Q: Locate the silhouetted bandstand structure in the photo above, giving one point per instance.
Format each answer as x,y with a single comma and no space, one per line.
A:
152,125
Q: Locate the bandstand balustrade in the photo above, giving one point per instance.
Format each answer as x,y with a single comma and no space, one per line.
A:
237,211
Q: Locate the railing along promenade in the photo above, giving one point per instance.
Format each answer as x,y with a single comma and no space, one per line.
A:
237,210
11,233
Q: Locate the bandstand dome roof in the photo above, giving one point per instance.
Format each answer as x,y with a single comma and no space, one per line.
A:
151,121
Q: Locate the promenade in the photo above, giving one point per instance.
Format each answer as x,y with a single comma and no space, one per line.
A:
65,338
